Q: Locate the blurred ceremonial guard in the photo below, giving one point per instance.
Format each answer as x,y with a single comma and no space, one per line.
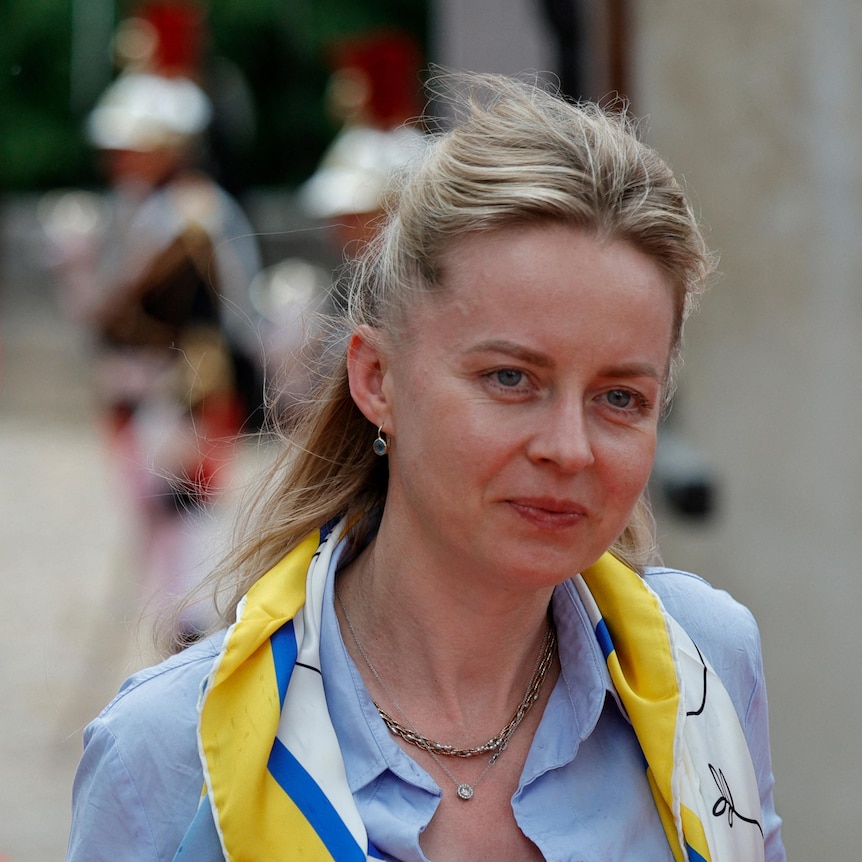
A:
164,284
373,94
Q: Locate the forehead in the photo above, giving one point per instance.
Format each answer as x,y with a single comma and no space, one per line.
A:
554,288
541,263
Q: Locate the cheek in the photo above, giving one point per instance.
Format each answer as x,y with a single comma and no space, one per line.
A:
627,468
449,438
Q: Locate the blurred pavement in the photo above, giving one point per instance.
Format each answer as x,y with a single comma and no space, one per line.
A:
67,600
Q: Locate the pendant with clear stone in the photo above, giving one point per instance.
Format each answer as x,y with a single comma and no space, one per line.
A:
465,792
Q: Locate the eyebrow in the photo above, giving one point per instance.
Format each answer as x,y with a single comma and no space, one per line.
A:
512,348
637,369
542,360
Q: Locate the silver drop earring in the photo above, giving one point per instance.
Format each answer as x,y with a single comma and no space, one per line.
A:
381,444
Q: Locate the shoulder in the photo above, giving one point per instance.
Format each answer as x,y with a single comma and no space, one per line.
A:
698,607
712,617
139,780
164,693
727,634
723,628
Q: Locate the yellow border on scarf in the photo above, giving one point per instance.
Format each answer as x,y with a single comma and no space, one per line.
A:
253,814
644,675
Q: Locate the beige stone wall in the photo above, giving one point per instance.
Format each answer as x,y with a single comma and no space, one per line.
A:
758,104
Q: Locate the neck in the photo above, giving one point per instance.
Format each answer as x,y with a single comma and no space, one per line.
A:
439,639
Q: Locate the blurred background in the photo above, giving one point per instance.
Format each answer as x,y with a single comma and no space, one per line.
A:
757,484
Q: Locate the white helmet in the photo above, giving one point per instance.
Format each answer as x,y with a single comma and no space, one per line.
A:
356,168
142,111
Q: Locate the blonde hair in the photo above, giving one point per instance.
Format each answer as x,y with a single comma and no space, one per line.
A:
516,154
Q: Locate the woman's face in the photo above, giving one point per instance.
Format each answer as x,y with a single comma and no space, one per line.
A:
523,409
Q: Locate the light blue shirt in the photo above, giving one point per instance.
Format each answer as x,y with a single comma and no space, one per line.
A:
583,793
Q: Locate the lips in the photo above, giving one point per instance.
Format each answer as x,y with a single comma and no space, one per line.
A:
549,513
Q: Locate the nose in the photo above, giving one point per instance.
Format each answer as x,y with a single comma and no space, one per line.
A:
562,436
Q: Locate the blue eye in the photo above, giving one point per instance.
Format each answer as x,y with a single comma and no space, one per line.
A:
508,377
620,398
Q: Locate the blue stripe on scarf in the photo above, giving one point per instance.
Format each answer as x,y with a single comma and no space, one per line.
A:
604,638
315,807
693,855
284,652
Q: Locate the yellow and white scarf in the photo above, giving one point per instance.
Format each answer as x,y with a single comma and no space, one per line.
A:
275,779
698,763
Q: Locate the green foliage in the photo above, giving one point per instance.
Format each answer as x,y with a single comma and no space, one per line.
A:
278,45
39,142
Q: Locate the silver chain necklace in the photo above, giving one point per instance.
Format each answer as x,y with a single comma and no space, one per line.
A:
496,745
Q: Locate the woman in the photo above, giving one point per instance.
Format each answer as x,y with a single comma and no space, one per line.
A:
446,645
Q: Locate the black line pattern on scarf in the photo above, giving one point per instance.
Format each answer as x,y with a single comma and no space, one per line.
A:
700,709
307,667
724,804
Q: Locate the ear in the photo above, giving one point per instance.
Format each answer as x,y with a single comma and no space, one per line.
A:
367,364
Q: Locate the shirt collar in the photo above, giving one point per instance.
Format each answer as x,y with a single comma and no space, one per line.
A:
576,703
